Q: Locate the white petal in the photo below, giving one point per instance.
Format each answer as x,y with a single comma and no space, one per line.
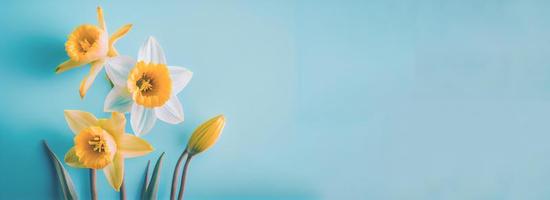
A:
180,77
151,52
171,112
118,69
118,100
142,119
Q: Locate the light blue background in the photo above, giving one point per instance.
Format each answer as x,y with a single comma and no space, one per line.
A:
324,99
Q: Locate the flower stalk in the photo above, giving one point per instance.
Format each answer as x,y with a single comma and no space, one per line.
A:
175,175
123,190
93,189
183,175
202,139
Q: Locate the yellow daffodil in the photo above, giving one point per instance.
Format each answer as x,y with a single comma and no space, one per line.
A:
147,88
103,144
206,135
90,44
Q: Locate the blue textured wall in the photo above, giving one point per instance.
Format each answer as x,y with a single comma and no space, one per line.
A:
324,99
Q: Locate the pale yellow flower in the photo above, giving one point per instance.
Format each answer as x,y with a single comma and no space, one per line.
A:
103,144
90,44
206,135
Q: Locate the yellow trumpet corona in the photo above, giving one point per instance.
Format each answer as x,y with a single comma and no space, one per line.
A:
206,135
150,84
87,43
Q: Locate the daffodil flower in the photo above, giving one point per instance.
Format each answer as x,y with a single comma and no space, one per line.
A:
90,44
147,88
103,144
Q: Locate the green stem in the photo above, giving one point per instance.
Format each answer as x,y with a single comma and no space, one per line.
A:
93,189
123,190
175,175
182,184
145,180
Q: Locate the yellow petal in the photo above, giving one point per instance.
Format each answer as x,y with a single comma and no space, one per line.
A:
114,172
69,64
88,80
114,38
114,125
78,120
133,146
206,135
72,160
101,19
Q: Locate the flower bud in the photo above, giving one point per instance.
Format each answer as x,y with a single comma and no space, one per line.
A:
206,135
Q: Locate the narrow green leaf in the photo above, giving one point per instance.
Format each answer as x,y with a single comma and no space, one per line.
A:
145,180
109,80
153,186
67,186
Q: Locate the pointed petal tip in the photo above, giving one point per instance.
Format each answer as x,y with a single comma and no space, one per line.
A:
68,112
152,39
125,29
150,148
152,52
82,89
220,117
82,94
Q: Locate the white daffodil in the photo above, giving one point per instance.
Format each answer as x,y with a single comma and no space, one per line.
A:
147,88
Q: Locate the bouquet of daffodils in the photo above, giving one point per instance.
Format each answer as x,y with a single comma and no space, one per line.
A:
145,87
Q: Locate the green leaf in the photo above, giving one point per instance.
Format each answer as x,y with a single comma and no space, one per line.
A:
153,186
145,180
109,80
67,186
